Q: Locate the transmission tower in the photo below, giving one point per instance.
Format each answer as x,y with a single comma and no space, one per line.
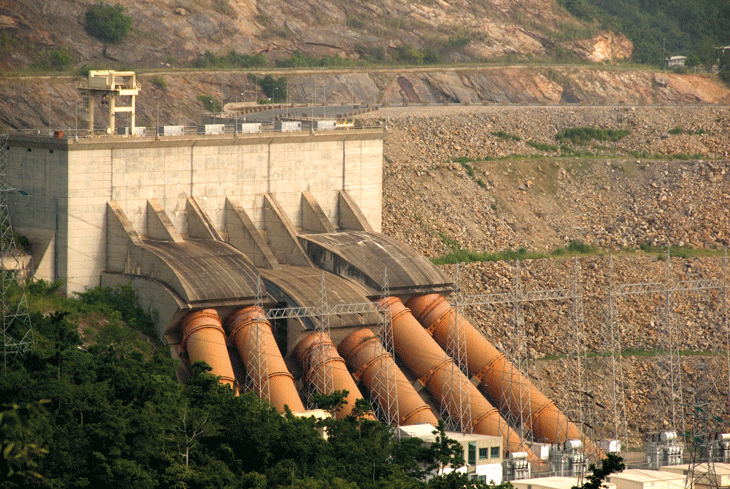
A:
258,374
617,399
17,331
385,402
456,391
701,470
323,376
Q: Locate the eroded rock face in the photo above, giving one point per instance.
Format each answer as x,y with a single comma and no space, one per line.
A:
607,46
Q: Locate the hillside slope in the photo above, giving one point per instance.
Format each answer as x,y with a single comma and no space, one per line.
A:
176,32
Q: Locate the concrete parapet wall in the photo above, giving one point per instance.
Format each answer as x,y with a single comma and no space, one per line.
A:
69,182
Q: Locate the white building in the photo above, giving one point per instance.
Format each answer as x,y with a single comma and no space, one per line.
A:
675,61
482,453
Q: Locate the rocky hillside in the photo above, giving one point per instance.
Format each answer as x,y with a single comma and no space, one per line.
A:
489,179
176,32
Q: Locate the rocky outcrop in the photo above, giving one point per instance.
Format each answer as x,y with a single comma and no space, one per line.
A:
607,46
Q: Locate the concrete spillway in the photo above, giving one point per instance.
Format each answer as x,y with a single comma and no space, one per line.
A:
434,368
499,378
251,333
203,339
366,356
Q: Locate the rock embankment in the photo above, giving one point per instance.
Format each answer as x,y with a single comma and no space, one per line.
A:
495,179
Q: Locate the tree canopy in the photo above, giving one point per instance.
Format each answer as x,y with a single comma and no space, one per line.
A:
661,28
108,23
106,410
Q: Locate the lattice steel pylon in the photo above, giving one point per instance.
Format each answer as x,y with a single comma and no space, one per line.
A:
257,375
16,325
700,441
385,401
322,376
614,349
456,390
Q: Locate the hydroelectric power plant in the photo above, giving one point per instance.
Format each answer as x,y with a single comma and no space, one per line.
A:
259,252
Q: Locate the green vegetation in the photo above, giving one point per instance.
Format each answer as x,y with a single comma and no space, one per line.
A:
91,404
108,23
575,248
506,136
661,28
158,81
274,88
230,60
610,464
548,148
210,104
581,135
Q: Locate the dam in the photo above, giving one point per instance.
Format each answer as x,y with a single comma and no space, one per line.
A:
217,232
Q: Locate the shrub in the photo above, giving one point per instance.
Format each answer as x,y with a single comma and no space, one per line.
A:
159,81
676,130
506,136
210,104
108,23
60,59
580,135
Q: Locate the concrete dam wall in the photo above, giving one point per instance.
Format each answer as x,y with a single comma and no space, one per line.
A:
214,231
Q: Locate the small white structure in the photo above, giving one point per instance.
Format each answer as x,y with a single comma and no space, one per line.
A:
675,61
610,446
482,453
567,459
249,127
646,479
516,467
214,129
663,449
288,126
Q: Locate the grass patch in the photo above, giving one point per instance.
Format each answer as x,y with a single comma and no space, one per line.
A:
675,251
506,136
461,255
548,148
582,135
575,248
676,130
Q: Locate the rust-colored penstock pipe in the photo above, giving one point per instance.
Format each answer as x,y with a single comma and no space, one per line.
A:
364,353
277,380
203,339
316,353
496,374
425,358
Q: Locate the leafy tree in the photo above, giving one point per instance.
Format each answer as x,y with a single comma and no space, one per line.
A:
108,23
612,463
275,89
